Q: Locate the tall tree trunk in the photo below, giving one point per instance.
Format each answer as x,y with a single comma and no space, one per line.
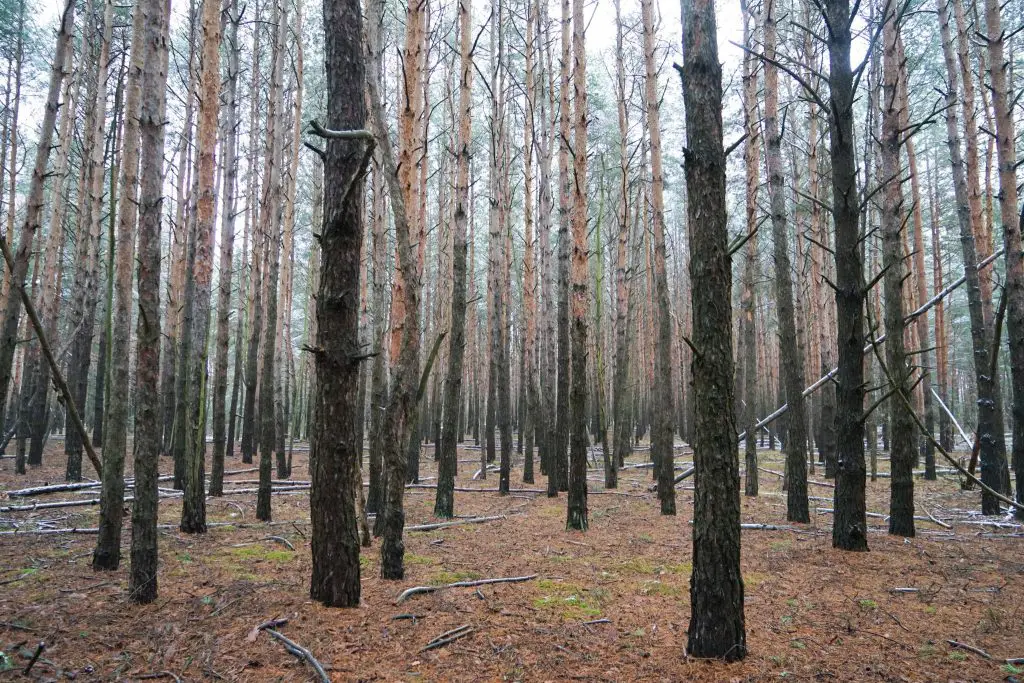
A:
334,451
107,554
142,584
1002,106
560,456
90,227
444,504
271,214
792,377
193,512
576,513
716,586
751,265
620,392
901,453
529,420
229,145
405,320
849,530
662,432
990,426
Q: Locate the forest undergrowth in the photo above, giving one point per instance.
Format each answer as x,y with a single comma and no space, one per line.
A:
609,604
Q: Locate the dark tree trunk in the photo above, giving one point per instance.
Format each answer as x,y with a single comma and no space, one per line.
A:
142,585
716,585
902,454
849,530
334,450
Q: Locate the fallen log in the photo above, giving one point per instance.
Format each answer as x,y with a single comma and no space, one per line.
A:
422,590
686,473
780,475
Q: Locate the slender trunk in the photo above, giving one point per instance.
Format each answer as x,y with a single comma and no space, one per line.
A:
792,365
662,432
990,427
751,266
229,145
901,454
107,554
444,505
142,584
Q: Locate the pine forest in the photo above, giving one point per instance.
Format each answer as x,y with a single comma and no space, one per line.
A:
517,340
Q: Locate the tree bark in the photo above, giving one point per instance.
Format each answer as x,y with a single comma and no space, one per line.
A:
142,584
849,530
901,452
107,554
576,513
792,376
334,451
716,585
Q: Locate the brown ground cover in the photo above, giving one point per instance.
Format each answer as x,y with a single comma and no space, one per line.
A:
812,613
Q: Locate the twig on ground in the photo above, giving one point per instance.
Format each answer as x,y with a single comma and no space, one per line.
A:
411,617
35,657
160,674
970,648
421,590
445,525
597,621
935,519
302,653
280,539
272,623
448,637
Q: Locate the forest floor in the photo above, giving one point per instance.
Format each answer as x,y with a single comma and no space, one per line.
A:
812,613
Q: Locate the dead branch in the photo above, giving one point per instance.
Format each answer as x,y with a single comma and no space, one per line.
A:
421,590
459,522
160,674
302,653
970,648
448,637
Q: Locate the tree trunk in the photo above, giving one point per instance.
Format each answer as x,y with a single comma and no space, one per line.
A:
229,144
334,451
1014,253
621,390
901,454
792,362
990,427
107,554
716,586
444,504
90,227
576,513
849,530
662,432
271,220
751,265
142,584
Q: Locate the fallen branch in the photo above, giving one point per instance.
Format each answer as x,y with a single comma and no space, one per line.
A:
780,475
280,539
448,637
970,648
422,590
445,525
160,674
935,519
686,473
597,621
35,657
302,653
